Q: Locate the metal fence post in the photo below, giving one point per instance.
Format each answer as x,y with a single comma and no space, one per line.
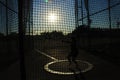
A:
6,18
21,39
109,9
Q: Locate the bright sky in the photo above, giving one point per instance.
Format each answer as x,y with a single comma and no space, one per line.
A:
53,15
49,15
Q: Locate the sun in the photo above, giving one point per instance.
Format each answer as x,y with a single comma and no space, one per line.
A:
52,17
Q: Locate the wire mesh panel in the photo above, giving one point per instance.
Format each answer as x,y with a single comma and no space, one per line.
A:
8,32
53,22
49,30
115,15
2,19
104,27
53,15
53,19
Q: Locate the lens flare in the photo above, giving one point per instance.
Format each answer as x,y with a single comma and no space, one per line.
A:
52,17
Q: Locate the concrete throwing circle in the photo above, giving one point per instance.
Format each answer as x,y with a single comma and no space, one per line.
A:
61,67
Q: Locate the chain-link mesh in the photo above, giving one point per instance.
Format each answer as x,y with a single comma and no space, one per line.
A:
49,25
8,32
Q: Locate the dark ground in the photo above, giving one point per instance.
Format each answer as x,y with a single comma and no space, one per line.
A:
35,61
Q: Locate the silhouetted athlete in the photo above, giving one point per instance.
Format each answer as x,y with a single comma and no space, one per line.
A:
74,52
73,55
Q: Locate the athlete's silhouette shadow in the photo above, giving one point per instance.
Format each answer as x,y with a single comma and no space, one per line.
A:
73,55
74,52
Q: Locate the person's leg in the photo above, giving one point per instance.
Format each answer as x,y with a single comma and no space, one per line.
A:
74,60
69,59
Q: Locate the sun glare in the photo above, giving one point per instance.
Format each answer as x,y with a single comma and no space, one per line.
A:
52,17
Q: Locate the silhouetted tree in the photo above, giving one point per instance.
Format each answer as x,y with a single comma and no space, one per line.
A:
52,35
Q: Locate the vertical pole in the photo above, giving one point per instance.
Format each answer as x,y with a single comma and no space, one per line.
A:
21,39
109,44
88,17
87,10
31,22
28,20
117,23
89,22
8,43
6,18
109,14
76,13
82,11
